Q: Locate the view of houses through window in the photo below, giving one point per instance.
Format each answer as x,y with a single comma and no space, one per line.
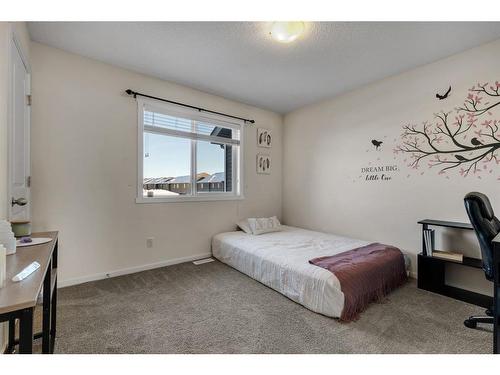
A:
181,185
172,144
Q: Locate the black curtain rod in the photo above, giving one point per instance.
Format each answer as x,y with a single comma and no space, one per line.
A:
136,94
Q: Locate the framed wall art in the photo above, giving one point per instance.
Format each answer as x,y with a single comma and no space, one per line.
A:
263,164
264,137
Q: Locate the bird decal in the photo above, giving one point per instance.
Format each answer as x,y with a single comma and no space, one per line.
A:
476,142
461,158
445,95
376,143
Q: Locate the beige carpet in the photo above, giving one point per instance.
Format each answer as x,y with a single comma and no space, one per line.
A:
213,308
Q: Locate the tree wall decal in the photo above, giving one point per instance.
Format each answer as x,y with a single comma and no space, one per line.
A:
468,140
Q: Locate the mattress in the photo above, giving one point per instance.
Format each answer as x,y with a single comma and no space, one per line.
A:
280,260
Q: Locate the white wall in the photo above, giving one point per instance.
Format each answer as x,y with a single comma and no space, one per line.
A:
6,31
84,169
326,145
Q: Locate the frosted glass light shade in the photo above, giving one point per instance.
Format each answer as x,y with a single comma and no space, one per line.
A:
286,32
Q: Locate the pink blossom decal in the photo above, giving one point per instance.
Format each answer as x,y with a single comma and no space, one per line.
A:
463,140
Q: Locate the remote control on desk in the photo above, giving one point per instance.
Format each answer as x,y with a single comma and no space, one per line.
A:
26,272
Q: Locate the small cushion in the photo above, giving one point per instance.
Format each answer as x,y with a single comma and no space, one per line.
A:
244,226
264,225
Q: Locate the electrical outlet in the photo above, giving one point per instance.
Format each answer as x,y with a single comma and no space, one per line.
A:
149,242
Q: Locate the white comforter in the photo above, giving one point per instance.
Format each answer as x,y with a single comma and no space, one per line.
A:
280,260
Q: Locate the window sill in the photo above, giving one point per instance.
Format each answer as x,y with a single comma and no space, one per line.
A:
197,198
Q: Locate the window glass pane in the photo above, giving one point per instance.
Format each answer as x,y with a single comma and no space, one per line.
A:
166,166
214,167
168,143
168,122
191,128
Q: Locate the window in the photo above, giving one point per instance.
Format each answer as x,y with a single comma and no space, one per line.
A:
187,155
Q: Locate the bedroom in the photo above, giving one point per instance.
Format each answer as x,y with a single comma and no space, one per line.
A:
200,181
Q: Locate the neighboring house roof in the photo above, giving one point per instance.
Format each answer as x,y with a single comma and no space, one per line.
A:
180,180
157,180
201,176
174,180
216,177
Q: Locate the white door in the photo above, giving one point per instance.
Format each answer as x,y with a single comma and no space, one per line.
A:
19,137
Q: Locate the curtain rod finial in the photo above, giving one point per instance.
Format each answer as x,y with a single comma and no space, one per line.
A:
129,92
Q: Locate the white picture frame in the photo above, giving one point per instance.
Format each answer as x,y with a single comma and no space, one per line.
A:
264,137
264,164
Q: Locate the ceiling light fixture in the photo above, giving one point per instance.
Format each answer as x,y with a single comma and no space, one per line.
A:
286,32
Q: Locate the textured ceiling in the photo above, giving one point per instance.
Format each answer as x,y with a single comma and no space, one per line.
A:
238,60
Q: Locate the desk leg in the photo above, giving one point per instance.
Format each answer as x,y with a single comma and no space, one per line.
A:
26,331
496,302
54,254
53,316
46,312
12,334
53,310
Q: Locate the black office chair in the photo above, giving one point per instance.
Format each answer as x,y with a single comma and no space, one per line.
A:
486,226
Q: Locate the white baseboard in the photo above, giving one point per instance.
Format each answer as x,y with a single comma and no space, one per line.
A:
125,271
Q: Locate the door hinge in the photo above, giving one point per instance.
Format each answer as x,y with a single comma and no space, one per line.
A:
28,181
28,99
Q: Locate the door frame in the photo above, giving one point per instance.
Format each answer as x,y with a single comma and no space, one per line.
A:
15,41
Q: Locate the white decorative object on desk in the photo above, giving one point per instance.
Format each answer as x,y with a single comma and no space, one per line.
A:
3,265
7,238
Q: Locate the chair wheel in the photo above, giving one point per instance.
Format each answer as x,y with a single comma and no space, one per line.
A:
469,323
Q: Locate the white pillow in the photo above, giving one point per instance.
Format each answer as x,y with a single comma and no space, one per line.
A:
264,225
243,224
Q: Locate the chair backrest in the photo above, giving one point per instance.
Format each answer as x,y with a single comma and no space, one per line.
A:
486,226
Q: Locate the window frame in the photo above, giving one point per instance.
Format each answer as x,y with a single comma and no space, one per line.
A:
174,110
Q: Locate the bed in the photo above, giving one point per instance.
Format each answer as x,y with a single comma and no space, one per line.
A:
280,260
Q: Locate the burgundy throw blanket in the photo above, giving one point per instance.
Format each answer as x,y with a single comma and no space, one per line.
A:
366,274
